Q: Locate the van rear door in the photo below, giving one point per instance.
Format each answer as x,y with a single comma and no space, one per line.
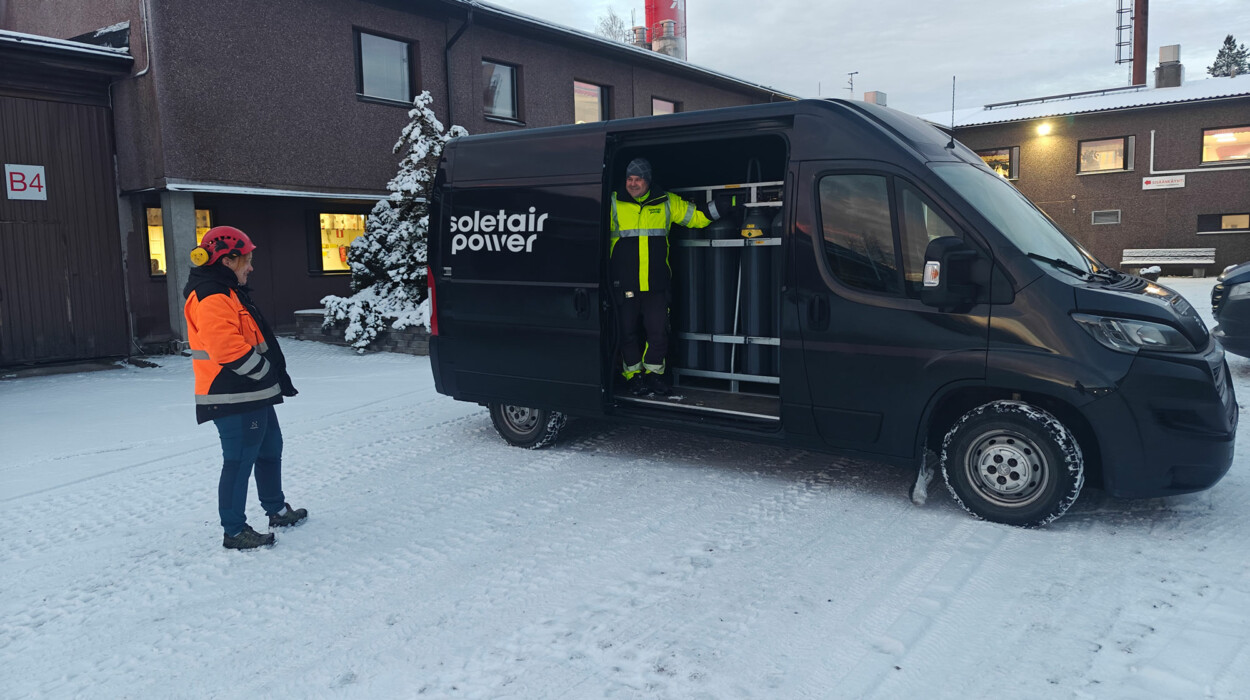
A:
518,265
874,353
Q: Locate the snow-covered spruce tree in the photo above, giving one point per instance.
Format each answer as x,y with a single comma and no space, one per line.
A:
1231,60
388,261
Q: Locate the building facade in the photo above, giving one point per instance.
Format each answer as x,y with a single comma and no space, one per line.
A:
280,118
1130,168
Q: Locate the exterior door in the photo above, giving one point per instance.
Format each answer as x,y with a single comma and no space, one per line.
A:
874,353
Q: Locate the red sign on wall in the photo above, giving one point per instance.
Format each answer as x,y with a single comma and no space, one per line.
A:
25,182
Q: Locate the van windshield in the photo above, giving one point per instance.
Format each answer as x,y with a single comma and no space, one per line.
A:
1015,216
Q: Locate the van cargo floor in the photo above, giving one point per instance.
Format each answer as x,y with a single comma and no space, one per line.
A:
711,401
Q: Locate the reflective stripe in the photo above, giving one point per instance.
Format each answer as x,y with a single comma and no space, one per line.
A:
263,347
642,232
200,355
264,369
685,220
654,369
668,215
250,365
238,398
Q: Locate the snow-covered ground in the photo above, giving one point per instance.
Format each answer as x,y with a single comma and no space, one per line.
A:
623,562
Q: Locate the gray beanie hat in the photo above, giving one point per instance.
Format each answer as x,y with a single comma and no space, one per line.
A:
640,167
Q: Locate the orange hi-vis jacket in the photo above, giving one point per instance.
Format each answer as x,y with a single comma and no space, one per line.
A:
237,368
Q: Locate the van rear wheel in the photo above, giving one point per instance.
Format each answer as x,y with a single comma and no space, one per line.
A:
526,427
1013,463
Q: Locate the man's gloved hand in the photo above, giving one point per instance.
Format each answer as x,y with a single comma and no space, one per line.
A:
288,389
725,205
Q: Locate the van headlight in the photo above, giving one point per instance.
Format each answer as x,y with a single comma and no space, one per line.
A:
1239,291
1129,335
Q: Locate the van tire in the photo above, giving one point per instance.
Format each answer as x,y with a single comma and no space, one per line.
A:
530,428
993,438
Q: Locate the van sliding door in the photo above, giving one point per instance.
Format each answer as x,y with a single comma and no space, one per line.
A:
874,353
519,264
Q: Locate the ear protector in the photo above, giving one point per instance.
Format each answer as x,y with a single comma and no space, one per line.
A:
221,241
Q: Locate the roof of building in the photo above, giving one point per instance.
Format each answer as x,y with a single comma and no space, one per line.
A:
577,36
1108,100
63,46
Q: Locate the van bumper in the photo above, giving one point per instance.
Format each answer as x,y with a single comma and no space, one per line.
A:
1169,429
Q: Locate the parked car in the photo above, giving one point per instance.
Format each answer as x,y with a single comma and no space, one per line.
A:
1230,303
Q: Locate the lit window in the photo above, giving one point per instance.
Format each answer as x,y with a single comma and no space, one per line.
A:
1104,155
659,106
384,68
499,93
1220,145
589,102
156,238
337,233
1004,161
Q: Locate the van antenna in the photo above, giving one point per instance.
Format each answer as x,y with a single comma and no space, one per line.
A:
951,145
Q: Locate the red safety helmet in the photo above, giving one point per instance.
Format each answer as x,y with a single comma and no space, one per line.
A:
219,242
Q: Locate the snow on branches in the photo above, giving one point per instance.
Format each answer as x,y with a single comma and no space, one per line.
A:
388,261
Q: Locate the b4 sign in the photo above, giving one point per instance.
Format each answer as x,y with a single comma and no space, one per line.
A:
25,182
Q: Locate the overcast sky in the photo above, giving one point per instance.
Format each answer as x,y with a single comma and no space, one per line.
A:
997,49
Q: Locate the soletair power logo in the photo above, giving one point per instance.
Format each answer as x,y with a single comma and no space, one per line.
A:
498,232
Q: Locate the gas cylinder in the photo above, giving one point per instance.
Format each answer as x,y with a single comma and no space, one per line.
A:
720,291
687,303
757,283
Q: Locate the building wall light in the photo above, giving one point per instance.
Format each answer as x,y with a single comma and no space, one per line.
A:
1043,129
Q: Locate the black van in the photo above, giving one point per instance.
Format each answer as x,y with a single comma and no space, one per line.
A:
901,298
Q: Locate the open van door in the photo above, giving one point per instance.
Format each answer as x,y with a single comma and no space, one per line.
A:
874,353
518,266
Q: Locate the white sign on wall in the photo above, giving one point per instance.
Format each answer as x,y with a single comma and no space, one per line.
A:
1162,182
25,182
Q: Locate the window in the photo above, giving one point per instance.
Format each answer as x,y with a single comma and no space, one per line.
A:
919,223
337,233
590,102
1224,223
156,237
859,237
1106,216
384,68
499,90
659,106
1004,161
1219,145
1105,155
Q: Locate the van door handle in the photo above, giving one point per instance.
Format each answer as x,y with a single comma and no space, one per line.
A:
818,313
581,303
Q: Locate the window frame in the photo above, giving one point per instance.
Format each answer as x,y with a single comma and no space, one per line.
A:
517,95
1215,218
1093,215
414,68
1202,137
312,216
605,100
1013,159
1129,142
147,240
675,103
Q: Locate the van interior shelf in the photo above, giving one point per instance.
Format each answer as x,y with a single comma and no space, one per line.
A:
725,243
735,339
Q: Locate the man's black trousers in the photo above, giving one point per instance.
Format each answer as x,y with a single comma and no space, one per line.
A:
644,312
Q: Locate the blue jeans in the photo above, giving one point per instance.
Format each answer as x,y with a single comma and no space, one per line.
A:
248,439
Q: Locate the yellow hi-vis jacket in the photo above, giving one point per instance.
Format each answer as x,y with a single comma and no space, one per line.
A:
639,246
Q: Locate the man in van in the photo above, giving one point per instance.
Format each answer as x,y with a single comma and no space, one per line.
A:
641,214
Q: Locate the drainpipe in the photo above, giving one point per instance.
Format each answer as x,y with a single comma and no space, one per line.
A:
447,62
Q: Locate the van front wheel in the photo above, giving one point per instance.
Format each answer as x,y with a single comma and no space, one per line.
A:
1013,463
526,427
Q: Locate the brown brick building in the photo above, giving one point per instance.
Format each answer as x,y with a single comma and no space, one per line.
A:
279,118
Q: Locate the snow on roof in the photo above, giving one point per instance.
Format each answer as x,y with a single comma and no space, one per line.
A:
478,5
1095,101
61,44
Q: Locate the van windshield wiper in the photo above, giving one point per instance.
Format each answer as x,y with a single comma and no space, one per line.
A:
1062,265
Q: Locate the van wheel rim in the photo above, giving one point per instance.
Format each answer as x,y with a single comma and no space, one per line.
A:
1007,469
520,418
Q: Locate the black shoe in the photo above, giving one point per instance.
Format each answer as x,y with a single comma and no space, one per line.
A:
248,539
658,384
291,517
637,385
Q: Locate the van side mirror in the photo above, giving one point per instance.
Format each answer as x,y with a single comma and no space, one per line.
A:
948,273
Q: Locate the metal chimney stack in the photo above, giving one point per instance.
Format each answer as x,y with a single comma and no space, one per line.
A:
666,25
1141,13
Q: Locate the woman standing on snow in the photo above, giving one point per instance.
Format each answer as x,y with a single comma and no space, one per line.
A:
240,374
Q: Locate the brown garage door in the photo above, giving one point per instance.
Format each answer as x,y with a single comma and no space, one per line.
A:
61,286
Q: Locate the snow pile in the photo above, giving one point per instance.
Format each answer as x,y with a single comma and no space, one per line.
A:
388,261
